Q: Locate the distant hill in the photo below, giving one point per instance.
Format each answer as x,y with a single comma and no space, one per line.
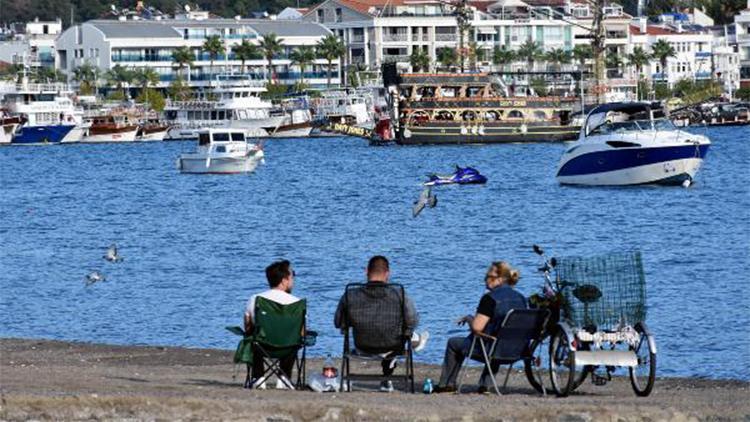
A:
722,11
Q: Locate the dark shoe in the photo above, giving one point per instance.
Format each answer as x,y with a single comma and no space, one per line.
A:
483,390
445,389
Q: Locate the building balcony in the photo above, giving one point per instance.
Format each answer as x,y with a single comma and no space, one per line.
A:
702,75
402,58
400,37
358,38
446,37
141,58
358,59
422,37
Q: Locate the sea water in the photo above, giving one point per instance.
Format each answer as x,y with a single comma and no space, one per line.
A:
195,246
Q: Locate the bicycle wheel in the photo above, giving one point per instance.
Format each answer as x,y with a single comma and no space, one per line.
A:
585,370
540,359
562,364
642,377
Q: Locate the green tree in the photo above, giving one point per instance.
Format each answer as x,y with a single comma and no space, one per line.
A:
330,48
153,98
86,75
182,57
613,63
447,56
270,46
539,85
274,91
419,60
558,57
637,59
529,51
662,50
214,47
120,77
178,90
145,77
246,51
303,56
743,94
581,53
47,75
503,57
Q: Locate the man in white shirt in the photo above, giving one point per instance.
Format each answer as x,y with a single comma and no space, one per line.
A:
280,277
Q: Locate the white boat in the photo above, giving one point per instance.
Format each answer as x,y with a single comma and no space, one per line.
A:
221,151
348,106
631,144
113,126
291,119
233,102
8,127
49,115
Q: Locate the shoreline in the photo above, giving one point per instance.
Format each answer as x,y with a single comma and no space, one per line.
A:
63,380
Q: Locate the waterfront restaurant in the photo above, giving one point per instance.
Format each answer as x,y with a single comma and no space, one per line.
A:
150,43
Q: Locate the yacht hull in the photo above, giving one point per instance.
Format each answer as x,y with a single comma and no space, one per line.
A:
114,136
52,134
452,133
670,165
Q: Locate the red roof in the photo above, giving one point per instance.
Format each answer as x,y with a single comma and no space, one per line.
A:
657,30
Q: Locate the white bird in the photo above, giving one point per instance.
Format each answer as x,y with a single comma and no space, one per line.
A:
112,255
426,198
94,277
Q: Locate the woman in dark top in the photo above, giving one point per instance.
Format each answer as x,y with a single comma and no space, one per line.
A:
493,306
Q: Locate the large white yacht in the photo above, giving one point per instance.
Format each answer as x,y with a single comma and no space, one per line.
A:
631,144
48,113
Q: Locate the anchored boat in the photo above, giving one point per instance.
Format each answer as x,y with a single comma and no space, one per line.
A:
631,144
221,151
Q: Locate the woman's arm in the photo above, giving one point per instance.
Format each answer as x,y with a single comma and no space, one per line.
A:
479,323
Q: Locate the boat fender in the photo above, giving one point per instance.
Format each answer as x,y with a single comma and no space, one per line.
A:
474,130
407,133
481,130
524,128
464,131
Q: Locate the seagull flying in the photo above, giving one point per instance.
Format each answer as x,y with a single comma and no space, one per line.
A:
112,255
94,277
426,198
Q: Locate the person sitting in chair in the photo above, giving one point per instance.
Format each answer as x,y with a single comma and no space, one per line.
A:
280,276
493,307
378,273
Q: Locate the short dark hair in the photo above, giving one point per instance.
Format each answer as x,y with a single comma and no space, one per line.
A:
378,264
277,271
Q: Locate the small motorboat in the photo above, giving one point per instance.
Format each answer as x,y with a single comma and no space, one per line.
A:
631,144
221,151
462,176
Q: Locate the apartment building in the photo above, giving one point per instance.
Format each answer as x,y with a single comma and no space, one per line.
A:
742,30
150,43
33,44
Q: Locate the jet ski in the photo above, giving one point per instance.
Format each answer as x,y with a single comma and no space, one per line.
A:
462,176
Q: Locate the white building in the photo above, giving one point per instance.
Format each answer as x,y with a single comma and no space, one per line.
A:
35,46
150,43
742,31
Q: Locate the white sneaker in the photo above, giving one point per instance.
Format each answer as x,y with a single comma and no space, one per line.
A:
386,386
419,340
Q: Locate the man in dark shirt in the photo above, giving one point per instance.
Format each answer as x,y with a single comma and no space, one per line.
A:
491,312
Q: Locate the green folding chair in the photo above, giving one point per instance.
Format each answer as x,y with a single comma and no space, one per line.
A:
279,331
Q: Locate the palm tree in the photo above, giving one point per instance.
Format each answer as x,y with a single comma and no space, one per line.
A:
581,53
270,46
638,58
86,75
120,76
613,62
662,50
303,56
529,51
145,77
473,53
503,56
447,56
246,51
330,48
214,47
420,60
558,57
183,57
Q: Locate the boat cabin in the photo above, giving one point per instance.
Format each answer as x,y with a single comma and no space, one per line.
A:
624,117
208,137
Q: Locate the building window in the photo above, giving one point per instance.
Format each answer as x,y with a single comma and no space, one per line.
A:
338,14
321,15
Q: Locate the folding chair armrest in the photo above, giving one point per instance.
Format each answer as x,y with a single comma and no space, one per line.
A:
486,336
236,330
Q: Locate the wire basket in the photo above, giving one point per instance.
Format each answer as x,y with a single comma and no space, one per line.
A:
605,292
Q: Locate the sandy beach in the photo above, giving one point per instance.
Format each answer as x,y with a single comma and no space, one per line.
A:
53,380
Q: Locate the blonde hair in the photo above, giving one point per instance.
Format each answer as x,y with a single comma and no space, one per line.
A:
505,271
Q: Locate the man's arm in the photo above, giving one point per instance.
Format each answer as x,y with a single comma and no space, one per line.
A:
412,318
338,318
248,324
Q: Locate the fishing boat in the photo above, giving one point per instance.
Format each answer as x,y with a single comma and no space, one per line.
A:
632,144
477,108
152,130
8,126
113,126
221,151
48,112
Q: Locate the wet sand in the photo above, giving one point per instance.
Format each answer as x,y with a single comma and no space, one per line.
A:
53,380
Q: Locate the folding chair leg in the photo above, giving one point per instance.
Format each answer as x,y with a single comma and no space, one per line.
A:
461,373
487,365
411,369
507,375
541,378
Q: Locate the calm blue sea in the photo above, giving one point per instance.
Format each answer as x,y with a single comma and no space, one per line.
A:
195,247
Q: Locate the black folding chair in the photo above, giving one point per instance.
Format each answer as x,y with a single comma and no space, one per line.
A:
514,341
376,315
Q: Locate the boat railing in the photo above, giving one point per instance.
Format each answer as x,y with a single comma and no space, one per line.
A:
43,87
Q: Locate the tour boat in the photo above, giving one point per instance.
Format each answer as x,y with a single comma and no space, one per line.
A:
631,144
48,112
114,126
221,151
152,130
8,126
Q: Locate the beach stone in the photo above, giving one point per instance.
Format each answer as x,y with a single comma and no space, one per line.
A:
333,414
575,417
